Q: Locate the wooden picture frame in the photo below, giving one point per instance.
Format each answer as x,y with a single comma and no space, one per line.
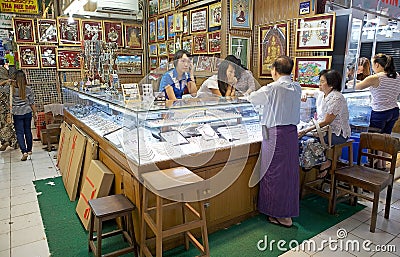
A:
161,28
186,24
170,26
48,56
68,59
178,22
153,63
153,7
240,47
178,43
273,41
214,42
204,63
164,6
187,44
198,20
152,30
214,15
153,50
24,30
241,14
69,33
315,33
185,2
200,44
113,32
307,69
129,64
47,31
28,56
92,30
170,48
162,49
163,63
133,36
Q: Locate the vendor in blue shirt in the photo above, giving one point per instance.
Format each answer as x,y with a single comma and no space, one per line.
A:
180,80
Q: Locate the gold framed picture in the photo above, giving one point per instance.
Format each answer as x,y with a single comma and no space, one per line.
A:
69,32
28,56
178,22
24,30
240,46
133,36
68,59
92,30
47,31
48,56
113,32
198,20
214,15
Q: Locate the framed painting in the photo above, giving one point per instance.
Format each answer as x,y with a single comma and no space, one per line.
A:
315,33
92,30
133,36
47,31
162,49
130,64
241,14
68,59
307,69
185,2
163,63
48,56
273,42
240,46
28,56
113,32
153,63
214,42
161,28
69,33
186,25
214,15
178,43
178,22
164,6
198,20
187,43
24,30
153,50
153,7
170,48
152,30
177,4
200,44
204,63
170,26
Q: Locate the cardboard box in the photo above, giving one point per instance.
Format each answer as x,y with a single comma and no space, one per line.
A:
71,175
96,184
63,146
91,153
52,134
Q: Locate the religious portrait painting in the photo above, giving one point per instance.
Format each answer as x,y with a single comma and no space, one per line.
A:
133,36
163,64
24,30
170,48
153,50
161,28
200,43
240,46
187,44
214,15
153,7
307,69
273,42
315,33
48,56
28,56
178,22
164,6
68,59
170,26
162,49
214,42
47,31
92,30
186,25
153,63
69,33
152,30
113,32
241,14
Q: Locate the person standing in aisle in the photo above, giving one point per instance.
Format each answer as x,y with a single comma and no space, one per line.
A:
279,174
23,109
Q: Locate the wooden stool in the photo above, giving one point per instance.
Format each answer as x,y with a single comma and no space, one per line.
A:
107,208
179,182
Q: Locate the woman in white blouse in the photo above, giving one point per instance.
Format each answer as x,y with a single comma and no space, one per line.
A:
334,112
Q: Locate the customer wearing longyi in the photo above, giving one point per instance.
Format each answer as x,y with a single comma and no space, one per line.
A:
279,174
179,80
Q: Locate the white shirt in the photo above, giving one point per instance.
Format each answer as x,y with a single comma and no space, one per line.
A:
208,84
281,101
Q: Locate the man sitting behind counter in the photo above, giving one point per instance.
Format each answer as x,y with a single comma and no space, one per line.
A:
179,80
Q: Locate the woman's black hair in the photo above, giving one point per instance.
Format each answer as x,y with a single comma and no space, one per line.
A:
178,55
222,78
333,78
386,61
239,68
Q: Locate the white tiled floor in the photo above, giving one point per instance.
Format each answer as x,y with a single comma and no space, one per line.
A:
22,233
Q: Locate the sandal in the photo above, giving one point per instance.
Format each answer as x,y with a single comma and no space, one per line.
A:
275,221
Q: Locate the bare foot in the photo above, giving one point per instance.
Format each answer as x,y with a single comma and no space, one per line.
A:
284,222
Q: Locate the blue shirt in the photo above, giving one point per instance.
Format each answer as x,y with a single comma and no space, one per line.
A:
179,86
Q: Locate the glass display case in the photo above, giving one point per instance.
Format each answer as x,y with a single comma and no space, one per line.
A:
151,131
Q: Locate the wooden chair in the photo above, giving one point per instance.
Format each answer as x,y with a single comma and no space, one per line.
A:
369,178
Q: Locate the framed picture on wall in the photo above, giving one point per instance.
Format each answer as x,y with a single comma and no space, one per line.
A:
24,30
178,43
47,31
152,30
129,64
68,59
113,32
69,33
240,46
185,2
307,69
153,63
164,6
315,33
186,24
214,42
28,56
198,20
153,50
161,28
200,44
162,49
273,42
178,22
204,63
48,56
153,7
187,44
163,63
216,62
133,36
241,14
92,30
214,15
170,26
171,48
